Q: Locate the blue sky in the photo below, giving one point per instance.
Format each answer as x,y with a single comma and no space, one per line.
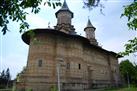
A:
111,31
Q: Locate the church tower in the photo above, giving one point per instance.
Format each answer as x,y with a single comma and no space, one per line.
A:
90,33
64,16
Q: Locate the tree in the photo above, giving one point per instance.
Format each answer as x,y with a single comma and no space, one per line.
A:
2,75
91,3
130,12
2,79
8,77
128,71
5,78
14,10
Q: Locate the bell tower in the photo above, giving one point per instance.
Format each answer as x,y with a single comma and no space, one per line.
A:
90,33
64,16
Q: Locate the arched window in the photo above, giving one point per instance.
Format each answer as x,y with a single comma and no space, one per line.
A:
40,63
79,66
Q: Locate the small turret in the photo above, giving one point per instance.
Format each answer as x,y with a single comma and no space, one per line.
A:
90,33
64,16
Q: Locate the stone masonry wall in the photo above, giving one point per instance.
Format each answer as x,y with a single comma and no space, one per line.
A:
82,67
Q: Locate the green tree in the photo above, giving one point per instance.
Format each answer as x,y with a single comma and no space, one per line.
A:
2,75
2,79
91,3
7,74
136,74
128,71
130,12
15,10
5,78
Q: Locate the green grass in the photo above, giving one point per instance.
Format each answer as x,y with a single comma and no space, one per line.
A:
5,90
114,89
123,89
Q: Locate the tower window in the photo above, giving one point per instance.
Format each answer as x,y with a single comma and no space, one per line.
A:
79,66
40,63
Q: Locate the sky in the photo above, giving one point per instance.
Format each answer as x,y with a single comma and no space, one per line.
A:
111,31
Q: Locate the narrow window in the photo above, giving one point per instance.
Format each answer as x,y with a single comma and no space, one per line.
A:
40,63
79,66
68,65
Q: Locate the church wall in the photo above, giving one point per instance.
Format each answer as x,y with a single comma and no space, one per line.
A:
41,49
71,52
98,60
115,70
81,66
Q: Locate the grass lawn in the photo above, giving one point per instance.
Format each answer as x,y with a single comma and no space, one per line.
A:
5,90
123,89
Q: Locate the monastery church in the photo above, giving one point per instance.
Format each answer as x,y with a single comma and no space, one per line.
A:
59,58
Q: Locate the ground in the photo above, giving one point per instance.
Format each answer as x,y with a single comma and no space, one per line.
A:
123,89
119,89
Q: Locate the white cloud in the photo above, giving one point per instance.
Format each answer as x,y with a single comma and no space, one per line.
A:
35,21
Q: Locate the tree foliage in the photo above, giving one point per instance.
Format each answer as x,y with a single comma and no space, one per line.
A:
5,78
91,3
130,12
128,71
14,10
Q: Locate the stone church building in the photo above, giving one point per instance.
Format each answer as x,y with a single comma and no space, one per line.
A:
60,58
